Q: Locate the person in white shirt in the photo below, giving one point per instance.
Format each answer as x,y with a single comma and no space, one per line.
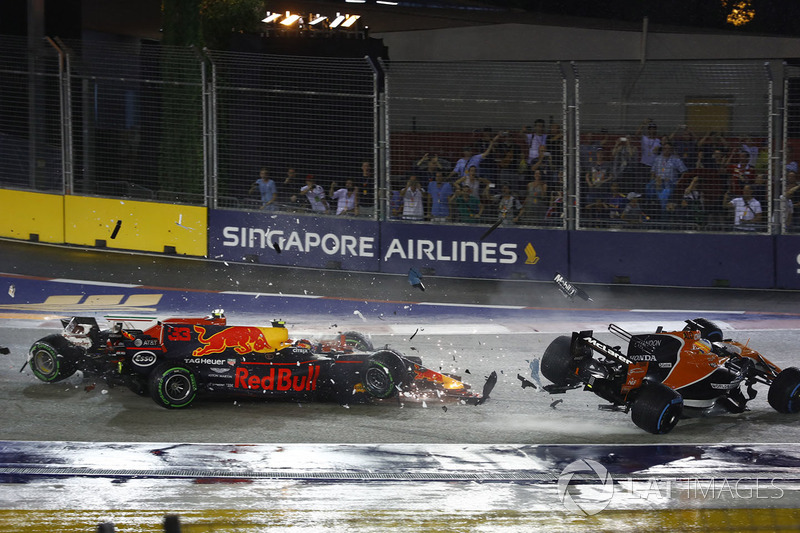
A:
746,210
315,194
412,200
346,198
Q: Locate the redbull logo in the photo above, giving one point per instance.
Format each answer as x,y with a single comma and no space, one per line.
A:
242,339
277,379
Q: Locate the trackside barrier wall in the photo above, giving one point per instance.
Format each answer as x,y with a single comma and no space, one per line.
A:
458,251
692,260
32,216
294,240
143,226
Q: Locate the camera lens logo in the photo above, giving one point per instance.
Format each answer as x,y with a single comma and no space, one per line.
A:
588,498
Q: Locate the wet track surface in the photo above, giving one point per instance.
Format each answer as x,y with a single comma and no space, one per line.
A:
490,467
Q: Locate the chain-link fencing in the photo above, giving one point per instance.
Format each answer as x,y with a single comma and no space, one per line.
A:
659,145
300,122
492,130
673,145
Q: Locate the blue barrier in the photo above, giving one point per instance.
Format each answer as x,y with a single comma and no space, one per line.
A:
294,240
680,259
673,259
458,251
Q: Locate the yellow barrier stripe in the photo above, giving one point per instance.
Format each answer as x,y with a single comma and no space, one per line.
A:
253,521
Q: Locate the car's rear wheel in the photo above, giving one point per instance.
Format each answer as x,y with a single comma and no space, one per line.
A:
657,408
173,386
557,362
385,374
784,392
53,359
357,341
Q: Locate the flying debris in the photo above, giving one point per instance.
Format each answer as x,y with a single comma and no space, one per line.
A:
568,289
526,383
415,279
534,364
276,246
116,229
553,405
357,312
414,335
491,381
180,223
4,350
12,290
492,228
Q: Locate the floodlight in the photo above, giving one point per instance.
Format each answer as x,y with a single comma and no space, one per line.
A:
317,19
338,20
271,17
351,19
290,19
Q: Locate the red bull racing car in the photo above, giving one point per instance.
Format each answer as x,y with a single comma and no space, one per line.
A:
176,359
669,374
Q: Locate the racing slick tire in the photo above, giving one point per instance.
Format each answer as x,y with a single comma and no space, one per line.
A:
557,362
173,386
784,392
657,408
709,330
385,374
53,358
357,341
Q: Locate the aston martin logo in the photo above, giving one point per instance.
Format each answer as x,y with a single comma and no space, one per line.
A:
531,254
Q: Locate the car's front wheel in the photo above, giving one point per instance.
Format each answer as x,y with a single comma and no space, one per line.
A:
657,408
173,386
784,392
53,359
385,374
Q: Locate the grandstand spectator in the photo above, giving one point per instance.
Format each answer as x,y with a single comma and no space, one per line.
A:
267,190
667,169
739,172
439,194
412,195
535,203
471,159
346,198
292,183
596,180
711,186
746,209
616,202
633,215
684,143
649,147
315,194
554,147
536,141
623,162
467,208
366,189
689,210
472,182
507,205
428,166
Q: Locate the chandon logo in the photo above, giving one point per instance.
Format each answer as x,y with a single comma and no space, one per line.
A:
592,498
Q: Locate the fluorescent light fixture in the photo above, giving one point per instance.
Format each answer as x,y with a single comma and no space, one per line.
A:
351,19
318,19
290,19
271,17
386,2
356,1
338,20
